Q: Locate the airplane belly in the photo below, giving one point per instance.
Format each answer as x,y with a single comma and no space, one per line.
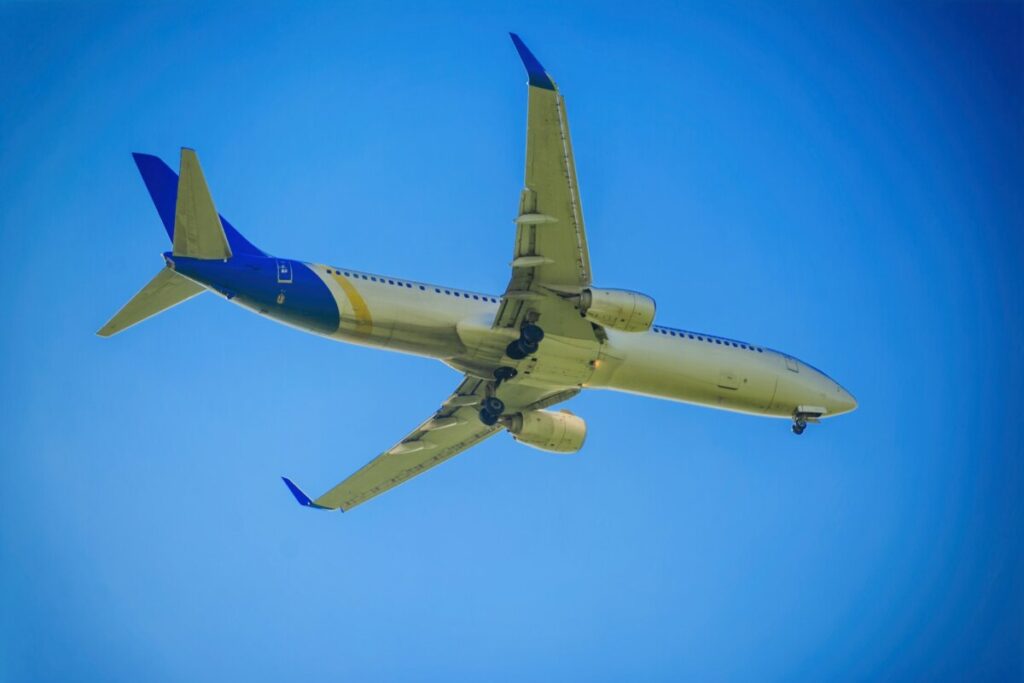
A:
561,361
693,372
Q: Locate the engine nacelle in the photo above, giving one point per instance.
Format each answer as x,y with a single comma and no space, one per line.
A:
619,309
560,432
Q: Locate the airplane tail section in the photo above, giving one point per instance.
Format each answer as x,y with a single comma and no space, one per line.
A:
195,229
167,289
165,189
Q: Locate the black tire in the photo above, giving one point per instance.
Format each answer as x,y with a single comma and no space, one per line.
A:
531,333
493,405
505,373
515,350
799,429
488,418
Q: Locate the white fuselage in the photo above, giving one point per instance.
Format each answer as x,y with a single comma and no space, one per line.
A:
454,326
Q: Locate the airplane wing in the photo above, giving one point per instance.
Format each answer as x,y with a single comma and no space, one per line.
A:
551,261
454,428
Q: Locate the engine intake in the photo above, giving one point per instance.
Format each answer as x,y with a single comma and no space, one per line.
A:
619,309
560,432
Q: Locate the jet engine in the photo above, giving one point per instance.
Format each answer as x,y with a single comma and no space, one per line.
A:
619,309
560,432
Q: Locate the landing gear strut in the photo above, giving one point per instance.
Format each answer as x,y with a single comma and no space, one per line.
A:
804,414
530,336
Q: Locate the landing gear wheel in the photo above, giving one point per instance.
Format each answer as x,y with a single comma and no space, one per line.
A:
514,351
504,373
799,426
488,418
493,405
531,333
520,349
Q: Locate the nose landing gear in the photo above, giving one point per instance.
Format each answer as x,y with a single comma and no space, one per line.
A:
803,415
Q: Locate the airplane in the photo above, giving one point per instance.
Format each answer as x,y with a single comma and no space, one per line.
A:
547,337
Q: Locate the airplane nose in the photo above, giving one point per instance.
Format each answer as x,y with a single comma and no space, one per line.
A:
844,401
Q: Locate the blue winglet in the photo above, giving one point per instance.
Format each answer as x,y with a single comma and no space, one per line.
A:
300,496
538,77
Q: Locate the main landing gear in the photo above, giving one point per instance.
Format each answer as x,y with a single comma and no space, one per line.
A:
799,425
503,374
530,336
492,407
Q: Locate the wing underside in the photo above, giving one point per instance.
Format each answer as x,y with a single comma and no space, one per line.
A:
550,261
451,430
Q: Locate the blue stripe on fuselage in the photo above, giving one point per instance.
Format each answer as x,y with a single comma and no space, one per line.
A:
252,281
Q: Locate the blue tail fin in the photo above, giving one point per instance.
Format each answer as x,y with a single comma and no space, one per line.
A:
162,183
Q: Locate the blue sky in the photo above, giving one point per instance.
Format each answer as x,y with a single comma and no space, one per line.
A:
841,182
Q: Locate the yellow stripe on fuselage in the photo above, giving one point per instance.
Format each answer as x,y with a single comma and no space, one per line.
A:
364,321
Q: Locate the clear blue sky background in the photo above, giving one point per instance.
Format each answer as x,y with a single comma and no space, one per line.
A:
843,183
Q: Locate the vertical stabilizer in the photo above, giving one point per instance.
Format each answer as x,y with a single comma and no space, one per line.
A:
198,232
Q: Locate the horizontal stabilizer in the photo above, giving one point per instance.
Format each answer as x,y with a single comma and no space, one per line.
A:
167,289
198,232
300,496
